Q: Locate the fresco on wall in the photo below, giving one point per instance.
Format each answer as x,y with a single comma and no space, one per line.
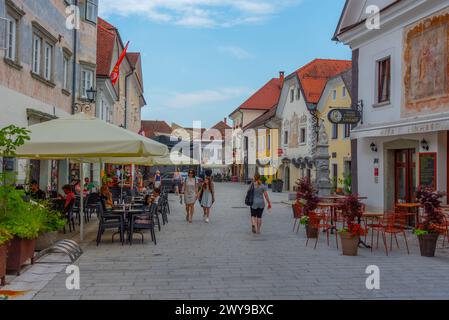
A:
426,66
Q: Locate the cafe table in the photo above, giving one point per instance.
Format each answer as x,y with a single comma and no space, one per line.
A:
332,206
411,210
127,214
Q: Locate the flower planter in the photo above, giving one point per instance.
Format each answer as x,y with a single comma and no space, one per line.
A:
19,251
46,240
312,233
428,244
349,244
3,254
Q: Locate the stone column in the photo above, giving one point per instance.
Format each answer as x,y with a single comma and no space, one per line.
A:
321,158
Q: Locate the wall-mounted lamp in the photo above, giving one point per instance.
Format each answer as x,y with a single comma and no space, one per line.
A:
425,145
373,147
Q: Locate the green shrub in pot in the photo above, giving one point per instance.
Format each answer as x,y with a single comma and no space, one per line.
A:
5,236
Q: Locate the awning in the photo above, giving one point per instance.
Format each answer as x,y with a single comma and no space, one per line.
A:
416,125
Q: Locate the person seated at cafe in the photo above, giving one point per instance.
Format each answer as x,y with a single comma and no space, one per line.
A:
69,197
89,186
35,192
153,198
107,196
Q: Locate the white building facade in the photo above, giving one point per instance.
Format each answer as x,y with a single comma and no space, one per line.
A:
400,73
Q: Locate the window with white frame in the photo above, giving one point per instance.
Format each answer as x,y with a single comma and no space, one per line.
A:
292,95
343,93
87,81
383,80
334,95
286,137
65,73
302,135
334,131
37,45
347,130
91,10
298,94
11,37
48,54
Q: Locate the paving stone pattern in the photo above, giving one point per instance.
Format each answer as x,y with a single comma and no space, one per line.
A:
224,260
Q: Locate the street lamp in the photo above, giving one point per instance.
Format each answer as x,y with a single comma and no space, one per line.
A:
91,95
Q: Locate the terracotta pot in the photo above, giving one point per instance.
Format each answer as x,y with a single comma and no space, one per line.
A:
350,244
3,255
428,244
312,233
46,240
19,251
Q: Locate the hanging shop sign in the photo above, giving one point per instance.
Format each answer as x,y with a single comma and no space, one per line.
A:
344,116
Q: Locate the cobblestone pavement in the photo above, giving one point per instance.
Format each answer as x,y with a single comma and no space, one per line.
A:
224,260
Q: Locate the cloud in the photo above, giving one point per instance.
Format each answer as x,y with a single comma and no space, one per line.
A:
198,13
204,97
235,52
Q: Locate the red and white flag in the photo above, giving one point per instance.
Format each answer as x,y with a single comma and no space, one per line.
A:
115,74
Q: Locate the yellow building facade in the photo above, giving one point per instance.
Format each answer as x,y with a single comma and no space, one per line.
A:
337,94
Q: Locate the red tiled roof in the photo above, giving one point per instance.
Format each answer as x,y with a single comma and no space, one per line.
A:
152,127
105,48
133,57
314,76
103,23
265,98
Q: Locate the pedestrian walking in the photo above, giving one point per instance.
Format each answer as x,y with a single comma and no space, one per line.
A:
190,194
259,194
177,181
207,197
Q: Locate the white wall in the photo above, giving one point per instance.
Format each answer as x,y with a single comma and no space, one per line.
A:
389,45
13,107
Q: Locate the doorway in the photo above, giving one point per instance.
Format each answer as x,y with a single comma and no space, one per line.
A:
287,177
405,175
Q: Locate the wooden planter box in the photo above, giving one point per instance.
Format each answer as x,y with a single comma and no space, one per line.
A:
3,255
19,251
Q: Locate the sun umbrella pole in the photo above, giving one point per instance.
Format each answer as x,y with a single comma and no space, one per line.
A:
82,202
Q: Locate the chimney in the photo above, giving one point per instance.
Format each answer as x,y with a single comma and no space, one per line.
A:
281,78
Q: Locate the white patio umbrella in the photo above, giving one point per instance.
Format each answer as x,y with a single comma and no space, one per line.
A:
167,160
85,137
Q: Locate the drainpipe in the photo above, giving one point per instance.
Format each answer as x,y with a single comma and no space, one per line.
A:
126,97
75,55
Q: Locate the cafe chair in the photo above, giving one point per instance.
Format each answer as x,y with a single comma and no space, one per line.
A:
143,222
109,220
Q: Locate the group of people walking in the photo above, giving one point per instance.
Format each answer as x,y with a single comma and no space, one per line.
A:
189,191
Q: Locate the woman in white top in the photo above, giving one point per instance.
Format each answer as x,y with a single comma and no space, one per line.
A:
190,194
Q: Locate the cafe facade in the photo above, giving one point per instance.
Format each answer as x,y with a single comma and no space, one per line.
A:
400,77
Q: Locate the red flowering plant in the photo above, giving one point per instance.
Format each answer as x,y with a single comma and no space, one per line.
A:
431,202
306,195
352,212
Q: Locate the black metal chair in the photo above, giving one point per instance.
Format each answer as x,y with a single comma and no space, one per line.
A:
108,220
69,214
91,205
142,222
163,208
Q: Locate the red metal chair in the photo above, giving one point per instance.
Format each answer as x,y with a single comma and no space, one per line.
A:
297,215
321,222
395,224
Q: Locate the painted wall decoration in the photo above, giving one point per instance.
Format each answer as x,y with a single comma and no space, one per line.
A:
426,65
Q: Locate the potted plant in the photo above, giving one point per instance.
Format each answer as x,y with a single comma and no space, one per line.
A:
25,224
5,236
350,235
427,230
347,184
306,195
263,179
52,223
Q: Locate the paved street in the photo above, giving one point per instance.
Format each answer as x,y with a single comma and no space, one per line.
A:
223,260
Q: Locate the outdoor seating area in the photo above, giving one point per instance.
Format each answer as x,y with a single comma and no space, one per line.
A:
346,218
